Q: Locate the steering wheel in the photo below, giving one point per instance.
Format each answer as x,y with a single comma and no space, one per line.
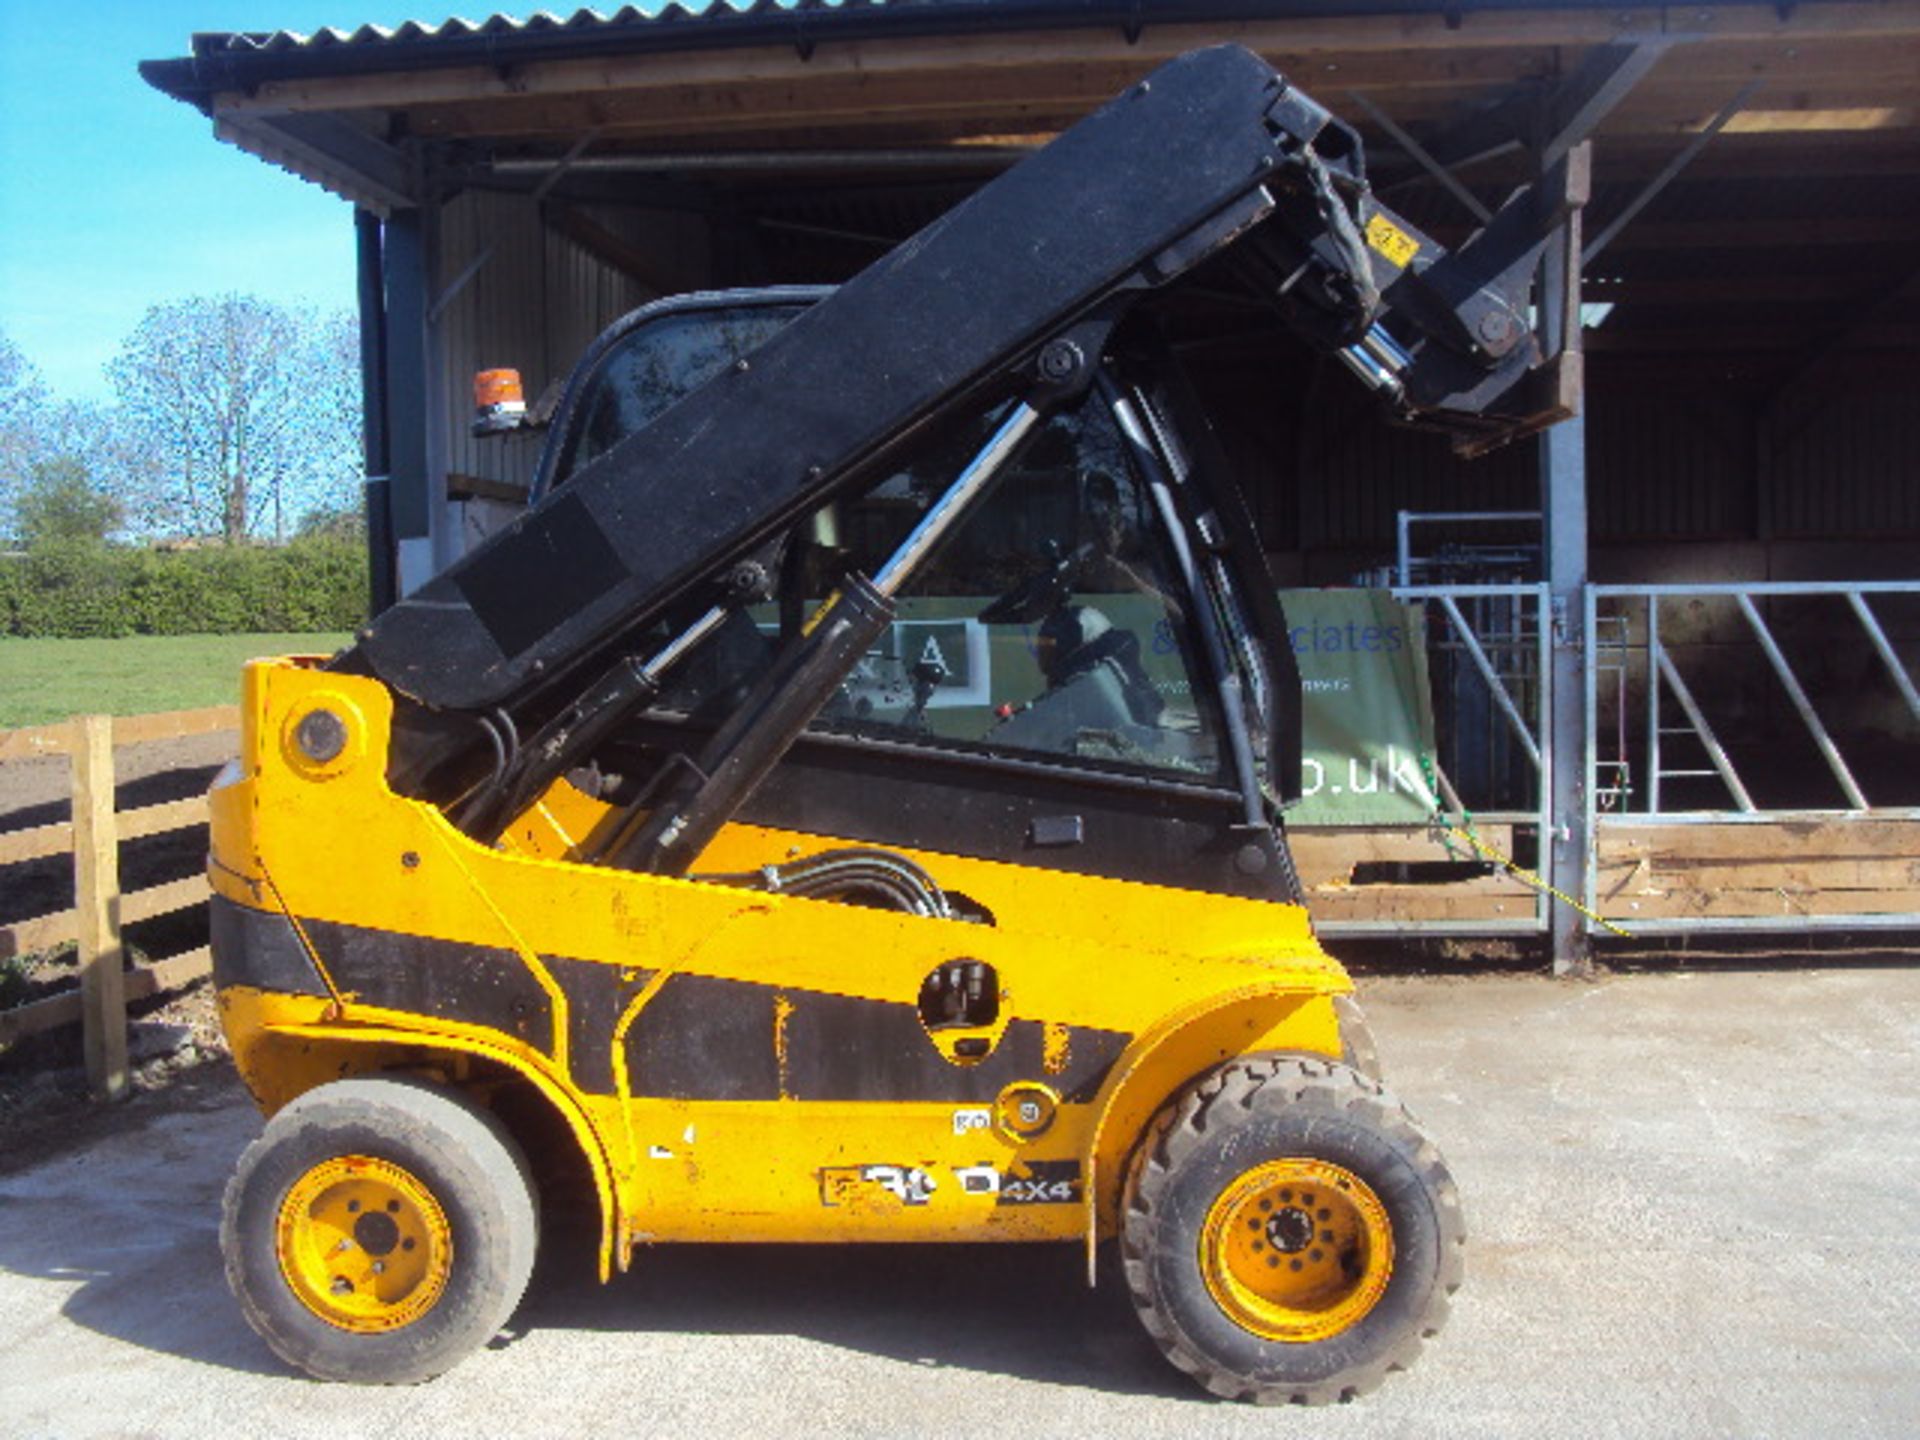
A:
1037,596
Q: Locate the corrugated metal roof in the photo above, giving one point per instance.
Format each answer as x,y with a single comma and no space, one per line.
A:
541,22
802,15
235,60
238,60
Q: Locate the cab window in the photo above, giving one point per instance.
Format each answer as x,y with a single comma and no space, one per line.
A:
656,365
1047,622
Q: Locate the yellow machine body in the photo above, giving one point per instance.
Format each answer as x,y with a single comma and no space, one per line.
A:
732,1065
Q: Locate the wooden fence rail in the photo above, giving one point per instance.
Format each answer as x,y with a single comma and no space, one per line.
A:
93,837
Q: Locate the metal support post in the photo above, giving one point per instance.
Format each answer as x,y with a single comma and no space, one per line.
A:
410,501
373,410
1563,500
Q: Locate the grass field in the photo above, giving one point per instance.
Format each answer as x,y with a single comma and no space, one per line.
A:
43,680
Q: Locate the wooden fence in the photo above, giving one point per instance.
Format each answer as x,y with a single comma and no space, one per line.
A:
93,837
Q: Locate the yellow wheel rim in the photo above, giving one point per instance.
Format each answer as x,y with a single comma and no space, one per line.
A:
363,1244
1297,1250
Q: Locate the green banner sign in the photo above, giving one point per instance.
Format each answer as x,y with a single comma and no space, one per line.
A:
1366,709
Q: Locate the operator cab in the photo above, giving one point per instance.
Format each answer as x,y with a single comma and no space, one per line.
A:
651,357
1047,672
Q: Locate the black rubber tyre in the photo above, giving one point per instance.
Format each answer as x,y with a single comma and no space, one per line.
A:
453,1150
1252,1113
1357,1047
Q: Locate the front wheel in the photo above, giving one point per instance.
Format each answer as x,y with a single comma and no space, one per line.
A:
1288,1233
379,1230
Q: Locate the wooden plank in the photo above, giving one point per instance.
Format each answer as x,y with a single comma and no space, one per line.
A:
1398,843
1842,87
56,1010
96,886
24,1020
1783,904
1844,872
1782,870
1703,339
1763,234
58,739
43,932
158,819
993,96
1776,157
1418,902
1498,883
172,972
172,724
164,899
35,843
36,740
1783,289
1498,896
480,487
1785,840
1651,875
1329,854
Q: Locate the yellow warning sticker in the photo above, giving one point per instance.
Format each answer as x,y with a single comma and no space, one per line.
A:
1391,241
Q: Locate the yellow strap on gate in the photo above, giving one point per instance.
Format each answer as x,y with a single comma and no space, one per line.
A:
1464,831
1524,875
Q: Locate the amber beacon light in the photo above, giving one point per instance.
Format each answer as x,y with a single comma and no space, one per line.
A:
499,402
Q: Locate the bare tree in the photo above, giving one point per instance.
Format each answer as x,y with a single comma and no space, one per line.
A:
239,405
22,399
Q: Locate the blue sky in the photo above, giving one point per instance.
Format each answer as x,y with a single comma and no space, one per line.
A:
114,197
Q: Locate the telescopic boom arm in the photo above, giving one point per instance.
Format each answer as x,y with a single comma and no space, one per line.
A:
1214,155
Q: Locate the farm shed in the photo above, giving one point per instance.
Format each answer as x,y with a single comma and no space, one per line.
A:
1671,675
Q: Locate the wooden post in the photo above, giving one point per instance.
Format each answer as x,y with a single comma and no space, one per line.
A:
96,901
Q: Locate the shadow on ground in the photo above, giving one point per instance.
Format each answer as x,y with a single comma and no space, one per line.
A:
125,1209
1021,1311
129,1214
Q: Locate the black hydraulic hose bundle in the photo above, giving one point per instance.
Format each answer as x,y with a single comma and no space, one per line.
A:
851,874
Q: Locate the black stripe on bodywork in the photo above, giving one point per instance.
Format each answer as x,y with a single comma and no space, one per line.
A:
445,979
597,994
259,948
699,1038
708,1039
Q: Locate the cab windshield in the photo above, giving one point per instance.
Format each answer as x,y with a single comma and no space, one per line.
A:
1049,622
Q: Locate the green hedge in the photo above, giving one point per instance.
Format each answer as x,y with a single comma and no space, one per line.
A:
80,590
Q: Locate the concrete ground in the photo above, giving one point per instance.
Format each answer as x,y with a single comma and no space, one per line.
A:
1694,1202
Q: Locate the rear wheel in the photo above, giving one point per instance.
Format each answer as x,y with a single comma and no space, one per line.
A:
379,1230
1288,1233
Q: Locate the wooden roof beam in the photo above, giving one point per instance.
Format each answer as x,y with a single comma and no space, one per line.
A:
954,55
1704,339
1001,98
610,249
331,152
1787,287
1581,101
1668,172
1838,232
